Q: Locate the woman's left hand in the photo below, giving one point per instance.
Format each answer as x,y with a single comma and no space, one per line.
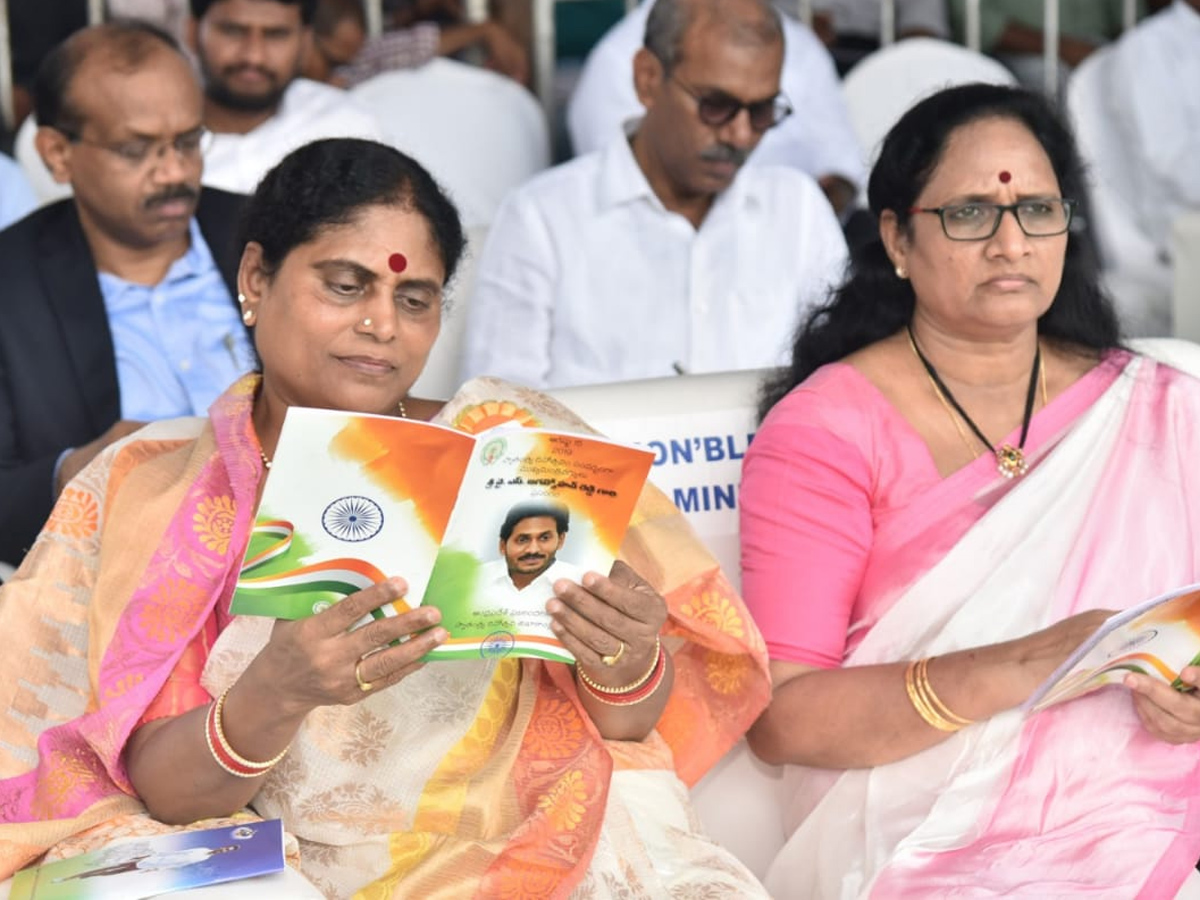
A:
1168,714
604,615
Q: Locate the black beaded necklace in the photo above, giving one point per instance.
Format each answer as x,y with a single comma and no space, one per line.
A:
1010,460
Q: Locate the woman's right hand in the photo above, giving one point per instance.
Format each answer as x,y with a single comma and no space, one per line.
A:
311,662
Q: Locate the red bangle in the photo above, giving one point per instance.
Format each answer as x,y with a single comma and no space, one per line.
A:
224,755
629,698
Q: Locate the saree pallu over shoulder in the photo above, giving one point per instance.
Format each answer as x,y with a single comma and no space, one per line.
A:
1078,800
508,787
131,562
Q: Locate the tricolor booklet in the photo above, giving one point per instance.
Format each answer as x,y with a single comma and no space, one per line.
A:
478,525
1159,637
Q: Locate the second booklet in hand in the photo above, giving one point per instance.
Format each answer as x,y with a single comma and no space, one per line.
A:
479,526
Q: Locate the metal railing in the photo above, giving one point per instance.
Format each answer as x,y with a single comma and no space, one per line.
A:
544,39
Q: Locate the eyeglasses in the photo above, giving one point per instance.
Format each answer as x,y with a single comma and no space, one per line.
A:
1038,217
190,146
717,108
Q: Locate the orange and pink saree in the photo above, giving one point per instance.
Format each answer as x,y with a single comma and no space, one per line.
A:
484,779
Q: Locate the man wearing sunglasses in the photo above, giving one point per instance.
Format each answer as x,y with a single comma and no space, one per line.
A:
117,305
820,141
661,253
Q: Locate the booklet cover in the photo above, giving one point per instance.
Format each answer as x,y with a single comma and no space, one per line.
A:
1159,637
146,867
480,526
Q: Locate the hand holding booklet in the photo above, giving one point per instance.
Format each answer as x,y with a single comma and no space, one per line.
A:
478,525
1159,638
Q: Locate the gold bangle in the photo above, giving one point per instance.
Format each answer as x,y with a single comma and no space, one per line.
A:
935,701
219,728
629,688
920,702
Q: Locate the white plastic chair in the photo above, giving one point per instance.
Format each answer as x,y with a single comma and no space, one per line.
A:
479,133
885,84
699,427
1185,251
44,186
440,377
1138,279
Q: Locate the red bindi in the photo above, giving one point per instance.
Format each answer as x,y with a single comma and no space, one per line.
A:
398,263
1005,177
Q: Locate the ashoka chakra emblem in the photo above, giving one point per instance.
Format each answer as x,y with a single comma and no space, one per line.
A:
352,518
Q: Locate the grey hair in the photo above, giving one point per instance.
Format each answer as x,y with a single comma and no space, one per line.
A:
754,22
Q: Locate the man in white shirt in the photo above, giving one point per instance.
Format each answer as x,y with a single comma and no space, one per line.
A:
819,141
661,254
1154,105
531,536
250,53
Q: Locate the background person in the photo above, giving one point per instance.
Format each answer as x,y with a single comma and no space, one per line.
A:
488,777
961,472
340,53
118,305
258,108
818,140
663,252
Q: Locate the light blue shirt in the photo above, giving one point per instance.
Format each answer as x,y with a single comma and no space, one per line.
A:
16,196
180,343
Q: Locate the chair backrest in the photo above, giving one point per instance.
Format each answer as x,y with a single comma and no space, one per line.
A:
1185,251
24,151
1135,275
880,88
1106,159
441,376
479,133
698,427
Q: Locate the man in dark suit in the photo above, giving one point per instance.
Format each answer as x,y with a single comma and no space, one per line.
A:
117,305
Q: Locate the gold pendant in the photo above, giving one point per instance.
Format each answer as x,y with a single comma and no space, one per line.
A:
1010,461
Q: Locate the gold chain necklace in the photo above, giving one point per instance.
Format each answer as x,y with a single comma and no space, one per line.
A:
400,407
1010,460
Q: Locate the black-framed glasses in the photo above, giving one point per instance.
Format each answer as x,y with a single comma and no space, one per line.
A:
1037,216
136,152
716,108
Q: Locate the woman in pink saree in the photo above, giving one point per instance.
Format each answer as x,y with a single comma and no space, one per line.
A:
134,702
960,474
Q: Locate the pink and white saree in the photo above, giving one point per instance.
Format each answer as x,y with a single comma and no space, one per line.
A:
1076,801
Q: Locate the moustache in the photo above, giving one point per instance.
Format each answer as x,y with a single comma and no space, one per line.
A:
175,192
531,557
230,71
724,153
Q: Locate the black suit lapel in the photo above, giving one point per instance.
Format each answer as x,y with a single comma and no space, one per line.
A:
73,290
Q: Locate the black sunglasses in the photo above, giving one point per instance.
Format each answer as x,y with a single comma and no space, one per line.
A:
717,108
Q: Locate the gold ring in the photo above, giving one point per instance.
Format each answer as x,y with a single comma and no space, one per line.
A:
364,686
616,657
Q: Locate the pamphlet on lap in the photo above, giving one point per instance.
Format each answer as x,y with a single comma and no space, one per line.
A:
478,525
1159,638
149,866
